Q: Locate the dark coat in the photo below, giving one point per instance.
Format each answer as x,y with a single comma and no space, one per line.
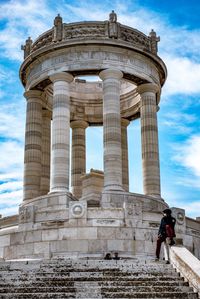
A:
167,221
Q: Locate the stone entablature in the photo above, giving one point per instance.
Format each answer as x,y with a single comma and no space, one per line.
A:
80,59
96,31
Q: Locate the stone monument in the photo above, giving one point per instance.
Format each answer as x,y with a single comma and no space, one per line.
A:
97,213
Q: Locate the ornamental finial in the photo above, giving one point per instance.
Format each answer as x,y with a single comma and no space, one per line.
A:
154,39
27,47
58,28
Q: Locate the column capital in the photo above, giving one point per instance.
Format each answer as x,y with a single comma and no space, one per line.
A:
78,124
125,122
148,87
62,76
33,94
111,73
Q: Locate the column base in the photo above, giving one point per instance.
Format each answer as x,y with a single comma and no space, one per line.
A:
113,187
59,190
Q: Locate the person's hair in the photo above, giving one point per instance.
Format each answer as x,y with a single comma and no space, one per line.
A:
167,211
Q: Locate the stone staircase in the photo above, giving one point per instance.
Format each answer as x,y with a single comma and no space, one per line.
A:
92,278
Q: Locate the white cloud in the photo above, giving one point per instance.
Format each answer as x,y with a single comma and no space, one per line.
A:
183,76
23,19
188,154
11,198
7,211
13,185
12,153
181,122
11,124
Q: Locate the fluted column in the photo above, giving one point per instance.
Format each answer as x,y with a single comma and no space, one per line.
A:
46,148
60,132
112,129
125,170
78,164
149,136
33,144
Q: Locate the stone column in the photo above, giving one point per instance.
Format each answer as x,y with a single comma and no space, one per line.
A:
149,136
60,132
112,129
125,172
33,144
46,149
78,165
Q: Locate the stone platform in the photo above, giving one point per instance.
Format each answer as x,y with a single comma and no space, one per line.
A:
57,225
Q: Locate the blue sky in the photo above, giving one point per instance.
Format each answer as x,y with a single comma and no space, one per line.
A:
178,25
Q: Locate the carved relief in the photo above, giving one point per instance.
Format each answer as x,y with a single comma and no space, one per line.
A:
43,41
135,37
77,210
82,32
26,214
180,218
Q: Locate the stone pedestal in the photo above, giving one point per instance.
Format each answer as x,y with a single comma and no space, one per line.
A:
60,133
92,186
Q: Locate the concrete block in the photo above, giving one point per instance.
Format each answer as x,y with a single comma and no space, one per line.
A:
59,246
124,233
115,245
33,236
41,247
139,247
50,235
1,252
5,240
106,233
78,245
17,238
95,246
86,233
100,213
107,222
67,233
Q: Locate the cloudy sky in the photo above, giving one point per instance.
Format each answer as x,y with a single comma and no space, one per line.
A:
178,25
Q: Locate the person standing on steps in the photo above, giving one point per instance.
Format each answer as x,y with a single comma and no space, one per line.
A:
166,233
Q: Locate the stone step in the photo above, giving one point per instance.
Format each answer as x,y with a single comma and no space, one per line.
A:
90,279
174,295
39,296
169,295
62,282
88,272
94,288
79,264
65,279
158,279
65,268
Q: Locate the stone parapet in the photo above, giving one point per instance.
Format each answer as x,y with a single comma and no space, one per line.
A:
95,31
